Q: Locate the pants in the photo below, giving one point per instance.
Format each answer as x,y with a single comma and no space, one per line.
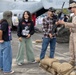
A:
5,56
45,44
72,46
29,51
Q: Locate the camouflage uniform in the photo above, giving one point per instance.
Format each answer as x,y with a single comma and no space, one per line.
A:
72,41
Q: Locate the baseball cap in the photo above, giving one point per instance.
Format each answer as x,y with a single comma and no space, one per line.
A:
72,5
52,9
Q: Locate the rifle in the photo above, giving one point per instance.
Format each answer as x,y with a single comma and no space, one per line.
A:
54,29
61,12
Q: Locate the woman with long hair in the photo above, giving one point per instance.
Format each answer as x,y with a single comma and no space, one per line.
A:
24,32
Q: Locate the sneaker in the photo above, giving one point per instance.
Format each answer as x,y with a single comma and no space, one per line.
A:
19,64
9,72
34,62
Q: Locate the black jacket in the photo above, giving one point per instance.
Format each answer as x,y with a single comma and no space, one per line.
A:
25,26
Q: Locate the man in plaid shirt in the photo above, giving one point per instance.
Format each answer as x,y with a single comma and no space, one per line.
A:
50,31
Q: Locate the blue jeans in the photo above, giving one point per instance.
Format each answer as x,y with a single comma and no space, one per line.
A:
45,44
5,56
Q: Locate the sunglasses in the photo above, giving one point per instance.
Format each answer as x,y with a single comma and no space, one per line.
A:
70,8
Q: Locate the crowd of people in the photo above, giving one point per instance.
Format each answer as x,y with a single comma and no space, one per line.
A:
25,30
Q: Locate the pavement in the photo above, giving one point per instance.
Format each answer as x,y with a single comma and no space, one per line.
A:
61,53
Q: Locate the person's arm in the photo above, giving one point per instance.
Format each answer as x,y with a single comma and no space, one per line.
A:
69,24
1,40
3,28
44,25
54,28
49,29
19,29
32,31
1,34
72,24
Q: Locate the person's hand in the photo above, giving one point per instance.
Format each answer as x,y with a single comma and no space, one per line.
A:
50,35
56,23
61,22
1,41
28,36
70,29
20,39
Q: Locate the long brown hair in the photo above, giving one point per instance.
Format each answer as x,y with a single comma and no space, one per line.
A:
3,20
29,14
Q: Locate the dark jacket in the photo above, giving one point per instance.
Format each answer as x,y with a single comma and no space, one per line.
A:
25,27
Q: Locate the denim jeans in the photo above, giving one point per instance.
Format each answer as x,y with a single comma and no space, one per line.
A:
5,56
45,44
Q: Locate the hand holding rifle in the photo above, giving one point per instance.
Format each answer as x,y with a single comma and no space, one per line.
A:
60,22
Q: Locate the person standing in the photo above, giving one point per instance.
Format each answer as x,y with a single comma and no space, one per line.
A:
15,20
72,26
49,34
34,18
5,43
24,32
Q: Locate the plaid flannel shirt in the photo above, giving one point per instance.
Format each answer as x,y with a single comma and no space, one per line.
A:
47,26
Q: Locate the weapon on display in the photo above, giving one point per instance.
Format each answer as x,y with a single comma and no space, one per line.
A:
61,12
59,17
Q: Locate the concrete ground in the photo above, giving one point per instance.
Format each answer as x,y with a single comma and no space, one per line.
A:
61,53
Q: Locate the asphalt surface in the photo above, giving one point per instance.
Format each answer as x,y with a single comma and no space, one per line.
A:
61,53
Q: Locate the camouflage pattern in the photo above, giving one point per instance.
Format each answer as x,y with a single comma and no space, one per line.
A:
72,41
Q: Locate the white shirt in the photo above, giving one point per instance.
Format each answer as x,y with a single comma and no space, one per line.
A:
15,20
